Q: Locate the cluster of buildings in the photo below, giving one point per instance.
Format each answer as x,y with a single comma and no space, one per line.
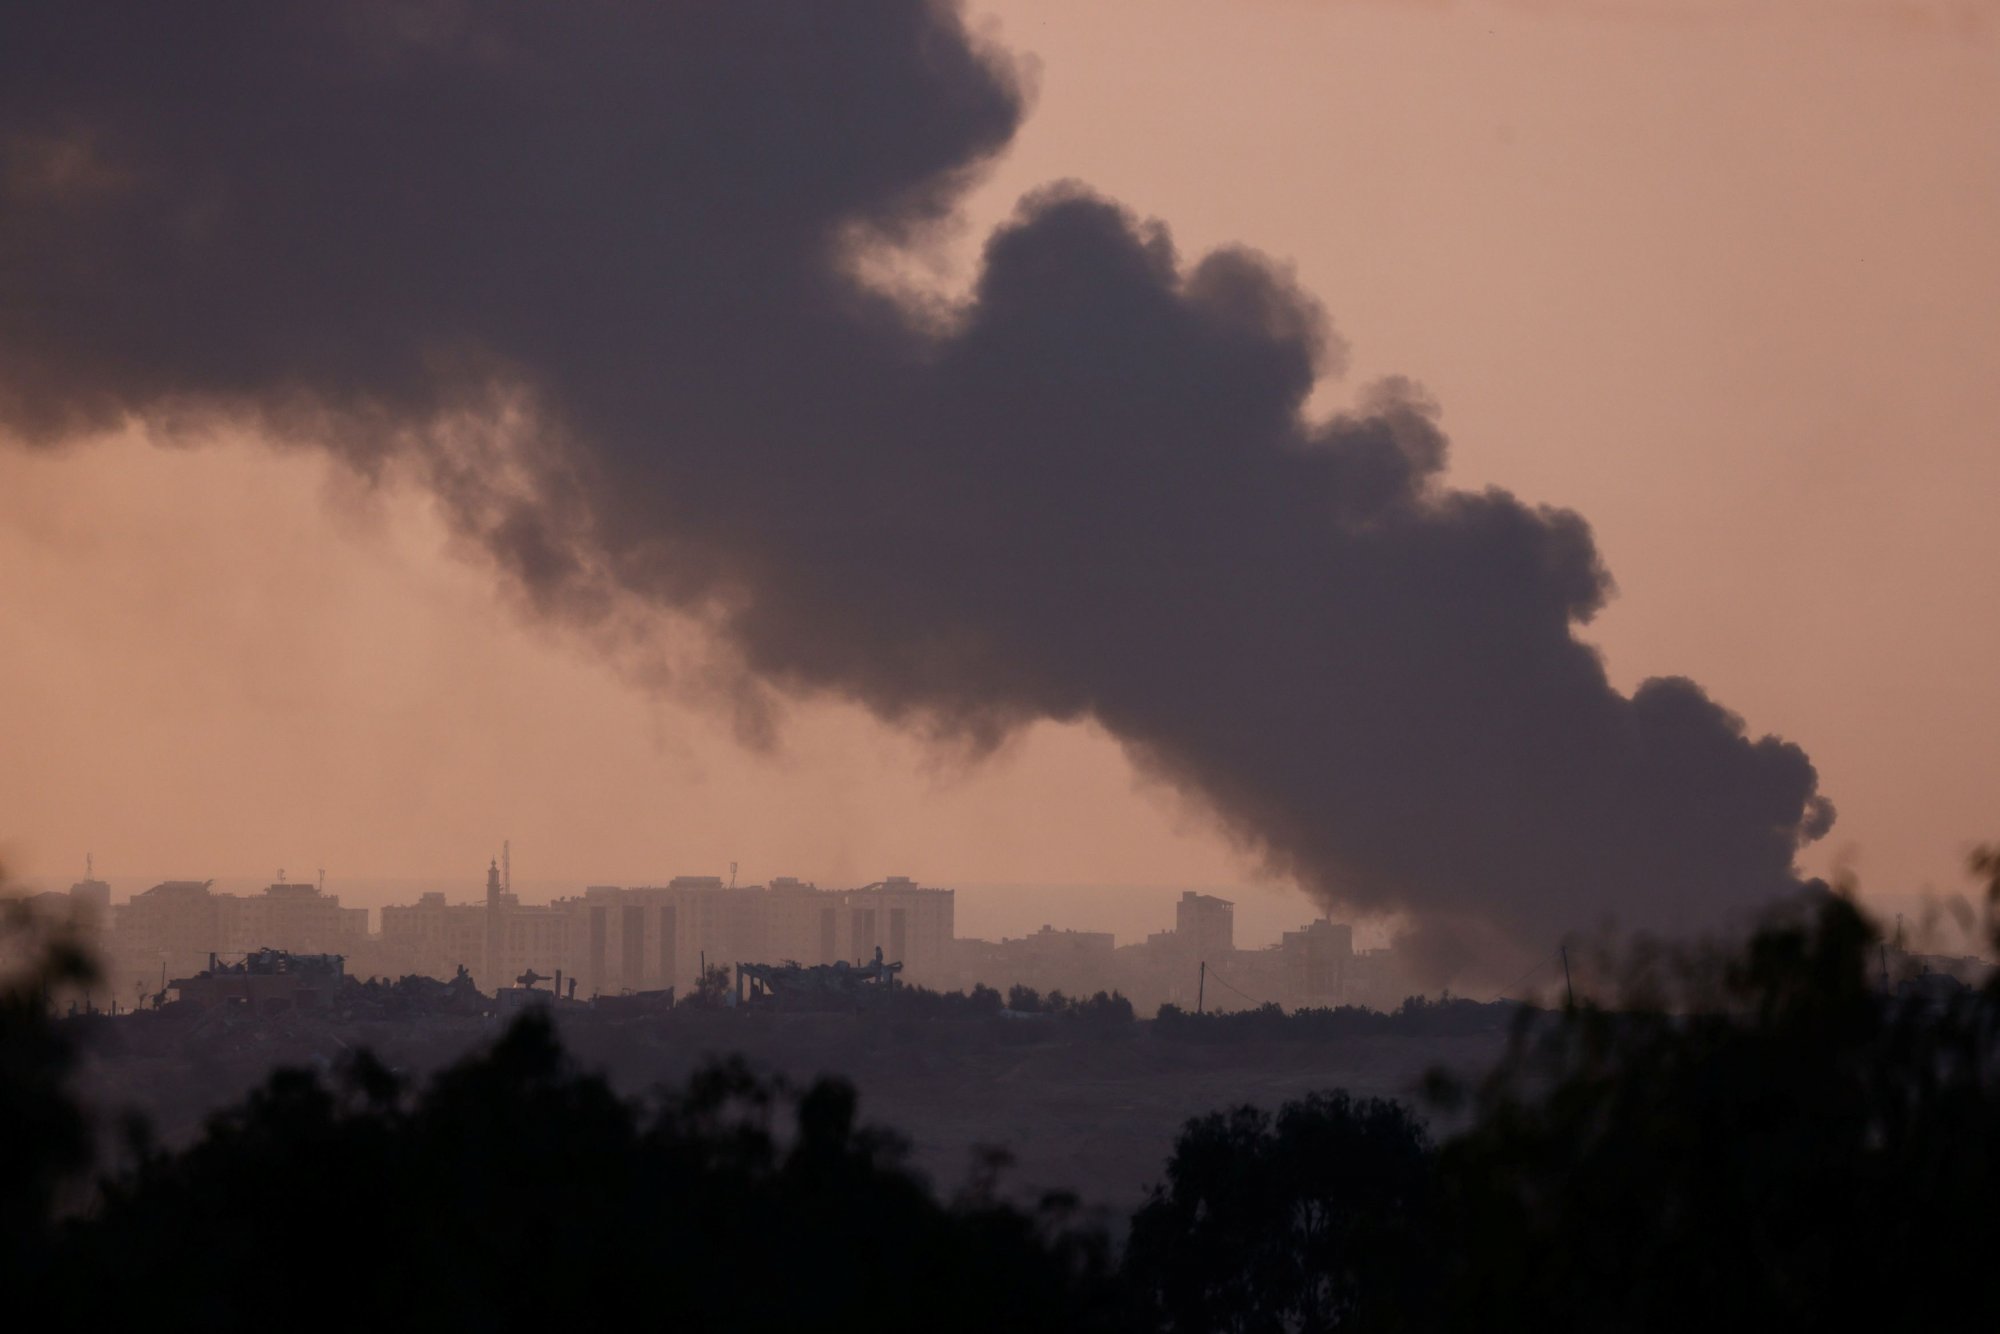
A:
1196,965
608,940
611,939
617,940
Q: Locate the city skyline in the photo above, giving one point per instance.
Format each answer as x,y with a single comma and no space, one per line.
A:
994,910
185,940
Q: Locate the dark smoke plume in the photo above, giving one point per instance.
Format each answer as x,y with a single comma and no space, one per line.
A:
1090,491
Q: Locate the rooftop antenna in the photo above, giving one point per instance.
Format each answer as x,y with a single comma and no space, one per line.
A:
281,875
89,867
1569,990
732,875
322,880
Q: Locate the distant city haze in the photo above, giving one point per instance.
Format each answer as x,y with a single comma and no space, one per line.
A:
1725,284
984,911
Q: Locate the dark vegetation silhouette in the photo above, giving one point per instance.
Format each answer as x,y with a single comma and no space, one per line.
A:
1104,1009
1772,1139
710,991
45,1142
1416,1016
1101,1010
1782,1136
1320,1217
918,1001
514,1191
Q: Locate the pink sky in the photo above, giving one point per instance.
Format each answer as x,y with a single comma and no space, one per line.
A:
1729,285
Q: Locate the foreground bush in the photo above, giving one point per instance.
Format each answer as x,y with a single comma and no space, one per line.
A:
1780,1146
514,1192
1771,1140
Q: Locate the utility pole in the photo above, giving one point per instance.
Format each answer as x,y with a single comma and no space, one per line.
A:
1201,987
1568,990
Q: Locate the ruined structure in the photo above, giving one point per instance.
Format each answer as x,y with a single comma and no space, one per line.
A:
831,986
264,981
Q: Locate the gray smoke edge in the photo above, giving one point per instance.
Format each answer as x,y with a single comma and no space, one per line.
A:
1091,492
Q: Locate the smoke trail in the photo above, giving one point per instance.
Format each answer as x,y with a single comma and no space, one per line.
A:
625,235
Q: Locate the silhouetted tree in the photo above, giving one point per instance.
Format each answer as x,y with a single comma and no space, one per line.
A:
1774,1143
710,991
516,1192
1318,1218
1772,1138
1105,1009
45,1140
911,999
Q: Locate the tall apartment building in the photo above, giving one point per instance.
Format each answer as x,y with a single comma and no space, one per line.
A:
659,936
92,900
906,922
1204,925
530,937
801,924
433,937
1317,958
294,917
176,922
496,941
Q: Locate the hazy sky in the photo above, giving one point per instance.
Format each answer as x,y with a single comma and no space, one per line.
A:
1727,284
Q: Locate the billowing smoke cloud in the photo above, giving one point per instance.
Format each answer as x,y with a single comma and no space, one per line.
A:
1090,491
